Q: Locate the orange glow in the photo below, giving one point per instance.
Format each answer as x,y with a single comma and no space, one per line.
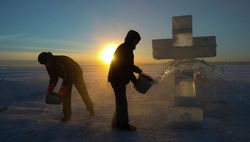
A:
107,52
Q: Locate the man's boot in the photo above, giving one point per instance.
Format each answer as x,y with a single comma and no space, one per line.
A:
128,128
90,108
66,118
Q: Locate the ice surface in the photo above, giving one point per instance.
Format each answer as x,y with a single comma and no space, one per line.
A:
23,90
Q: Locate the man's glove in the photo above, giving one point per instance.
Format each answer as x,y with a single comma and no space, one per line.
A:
51,88
62,92
137,70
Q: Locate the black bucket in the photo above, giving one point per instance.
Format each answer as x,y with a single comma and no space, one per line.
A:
53,98
143,83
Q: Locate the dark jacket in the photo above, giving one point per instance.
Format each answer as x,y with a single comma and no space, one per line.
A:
122,66
63,67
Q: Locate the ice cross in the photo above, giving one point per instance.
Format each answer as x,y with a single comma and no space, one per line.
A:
184,45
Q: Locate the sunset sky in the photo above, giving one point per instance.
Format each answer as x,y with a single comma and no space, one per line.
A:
82,28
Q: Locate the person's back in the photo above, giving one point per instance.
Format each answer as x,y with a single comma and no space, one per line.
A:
121,67
63,66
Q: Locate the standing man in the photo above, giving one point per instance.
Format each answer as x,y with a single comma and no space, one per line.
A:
121,71
71,73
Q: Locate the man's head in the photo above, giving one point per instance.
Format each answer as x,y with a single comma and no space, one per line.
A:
44,57
132,37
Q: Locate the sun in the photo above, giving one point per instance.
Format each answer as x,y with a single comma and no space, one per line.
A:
107,53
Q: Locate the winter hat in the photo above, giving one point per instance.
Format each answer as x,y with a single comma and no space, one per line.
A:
44,57
131,36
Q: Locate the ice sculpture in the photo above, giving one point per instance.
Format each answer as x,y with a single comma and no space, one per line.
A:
184,48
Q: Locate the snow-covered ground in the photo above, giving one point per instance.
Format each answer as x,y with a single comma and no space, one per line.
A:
28,118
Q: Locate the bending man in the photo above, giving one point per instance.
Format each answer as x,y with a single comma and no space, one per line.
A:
71,73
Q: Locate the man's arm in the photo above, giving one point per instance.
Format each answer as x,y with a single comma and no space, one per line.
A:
126,60
66,76
137,69
53,80
66,80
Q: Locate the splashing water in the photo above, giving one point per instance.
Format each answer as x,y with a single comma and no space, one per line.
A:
200,67
169,69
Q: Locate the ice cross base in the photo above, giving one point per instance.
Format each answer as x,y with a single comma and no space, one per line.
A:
185,111
184,46
179,116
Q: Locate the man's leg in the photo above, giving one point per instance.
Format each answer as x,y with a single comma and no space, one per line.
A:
67,104
82,89
120,118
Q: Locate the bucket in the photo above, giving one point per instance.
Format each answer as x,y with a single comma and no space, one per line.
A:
143,83
53,98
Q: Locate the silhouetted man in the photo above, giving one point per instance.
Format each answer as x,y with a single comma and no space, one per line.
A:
121,71
71,73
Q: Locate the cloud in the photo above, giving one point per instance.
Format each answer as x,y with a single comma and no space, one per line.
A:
12,36
13,55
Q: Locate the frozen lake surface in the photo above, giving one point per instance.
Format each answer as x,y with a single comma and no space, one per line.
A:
28,118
